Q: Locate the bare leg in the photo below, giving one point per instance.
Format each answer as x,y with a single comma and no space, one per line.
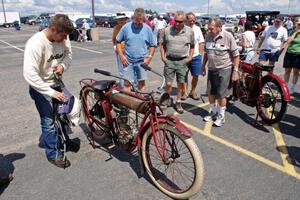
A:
287,73
185,88
194,84
168,87
211,99
179,90
295,76
222,102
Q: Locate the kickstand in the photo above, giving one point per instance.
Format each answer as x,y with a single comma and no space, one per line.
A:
202,98
255,123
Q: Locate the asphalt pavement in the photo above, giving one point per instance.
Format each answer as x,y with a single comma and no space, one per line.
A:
241,161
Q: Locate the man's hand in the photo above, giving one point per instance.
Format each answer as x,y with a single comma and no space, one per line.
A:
235,76
147,60
188,60
124,60
59,96
58,69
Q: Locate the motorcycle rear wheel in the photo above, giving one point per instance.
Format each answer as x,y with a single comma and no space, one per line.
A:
271,105
180,175
91,113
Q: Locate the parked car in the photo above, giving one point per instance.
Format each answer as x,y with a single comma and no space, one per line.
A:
44,24
24,19
105,21
79,22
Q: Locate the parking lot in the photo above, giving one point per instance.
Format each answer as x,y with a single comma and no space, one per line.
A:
241,161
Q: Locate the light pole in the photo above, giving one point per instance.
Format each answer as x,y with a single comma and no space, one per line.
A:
4,11
93,12
289,7
208,7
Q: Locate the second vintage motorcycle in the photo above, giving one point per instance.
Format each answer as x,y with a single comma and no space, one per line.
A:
267,92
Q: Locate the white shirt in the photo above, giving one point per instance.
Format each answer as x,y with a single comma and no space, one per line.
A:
273,38
85,26
265,23
250,38
160,24
289,24
198,39
40,56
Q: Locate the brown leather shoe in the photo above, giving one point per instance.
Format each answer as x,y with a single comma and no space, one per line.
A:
60,162
184,97
5,180
194,96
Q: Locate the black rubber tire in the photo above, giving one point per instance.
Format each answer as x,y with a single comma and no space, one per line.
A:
167,186
268,86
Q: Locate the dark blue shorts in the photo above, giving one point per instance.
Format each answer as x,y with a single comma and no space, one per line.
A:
195,65
291,60
265,56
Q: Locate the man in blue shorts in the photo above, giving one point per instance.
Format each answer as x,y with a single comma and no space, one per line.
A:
139,48
196,62
271,45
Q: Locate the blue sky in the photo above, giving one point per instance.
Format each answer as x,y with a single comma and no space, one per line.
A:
111,6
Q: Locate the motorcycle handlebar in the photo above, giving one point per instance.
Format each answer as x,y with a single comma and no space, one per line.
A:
106,73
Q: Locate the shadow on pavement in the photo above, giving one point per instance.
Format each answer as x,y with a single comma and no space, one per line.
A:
289,125
117,152
294,154
6,166
247,118
296,100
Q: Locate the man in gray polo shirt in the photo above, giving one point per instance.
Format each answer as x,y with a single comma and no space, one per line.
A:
222,58
176,48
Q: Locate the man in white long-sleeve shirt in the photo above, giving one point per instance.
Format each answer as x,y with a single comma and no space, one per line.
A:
48,52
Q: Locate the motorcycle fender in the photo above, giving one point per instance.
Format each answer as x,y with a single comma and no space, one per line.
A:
283,85
174,122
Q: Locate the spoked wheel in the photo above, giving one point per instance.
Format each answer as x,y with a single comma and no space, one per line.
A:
93,113
271,107
178,169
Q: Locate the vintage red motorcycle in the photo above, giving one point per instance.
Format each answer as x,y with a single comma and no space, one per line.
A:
267,92
167,152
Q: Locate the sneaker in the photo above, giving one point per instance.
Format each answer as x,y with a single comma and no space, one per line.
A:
179,108
168,104
219,121
211,117
60,162
184,97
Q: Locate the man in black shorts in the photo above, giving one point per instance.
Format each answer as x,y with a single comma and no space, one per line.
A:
222,58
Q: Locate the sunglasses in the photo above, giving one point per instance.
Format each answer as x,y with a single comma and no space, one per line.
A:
178,21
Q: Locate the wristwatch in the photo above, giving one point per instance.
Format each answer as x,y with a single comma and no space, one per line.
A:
235,70
149,56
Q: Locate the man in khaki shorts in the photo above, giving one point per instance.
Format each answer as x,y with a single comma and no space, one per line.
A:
176,48
222,58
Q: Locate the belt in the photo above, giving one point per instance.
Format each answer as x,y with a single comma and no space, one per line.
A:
175,58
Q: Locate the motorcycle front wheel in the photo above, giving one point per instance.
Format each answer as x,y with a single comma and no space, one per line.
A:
271,105
178,169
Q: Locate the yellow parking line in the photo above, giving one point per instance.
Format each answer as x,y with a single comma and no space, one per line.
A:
244,151
282,149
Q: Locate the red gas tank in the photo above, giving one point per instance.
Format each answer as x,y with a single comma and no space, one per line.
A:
246,67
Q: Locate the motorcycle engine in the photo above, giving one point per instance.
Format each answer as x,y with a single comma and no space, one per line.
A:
125,125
